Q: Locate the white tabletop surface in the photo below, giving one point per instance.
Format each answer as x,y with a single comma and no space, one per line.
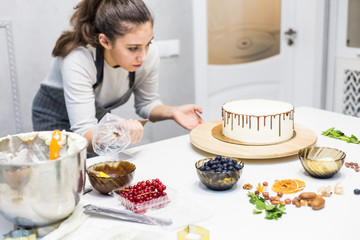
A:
228,214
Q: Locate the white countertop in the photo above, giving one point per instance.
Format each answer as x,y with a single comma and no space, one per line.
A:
228,213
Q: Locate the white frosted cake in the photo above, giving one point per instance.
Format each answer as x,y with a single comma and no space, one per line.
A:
258,121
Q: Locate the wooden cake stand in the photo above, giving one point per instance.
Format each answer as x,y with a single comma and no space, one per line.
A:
202,138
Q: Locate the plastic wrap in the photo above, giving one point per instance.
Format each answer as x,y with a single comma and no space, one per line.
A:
110,135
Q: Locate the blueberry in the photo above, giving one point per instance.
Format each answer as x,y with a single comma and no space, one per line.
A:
224,171
202,168
214,166
223,161
225,165
218,157
218,170
230,163
230,168
207,168
238,166
357,191
211,162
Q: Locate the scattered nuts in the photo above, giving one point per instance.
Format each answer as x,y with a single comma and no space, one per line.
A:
274,202
288,201
338,189
325,191
282,203
352,165
318,204
307,195
303,202
247,186
277,198
280,194
265,184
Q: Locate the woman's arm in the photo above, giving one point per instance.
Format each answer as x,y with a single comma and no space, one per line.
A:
135,128
185,115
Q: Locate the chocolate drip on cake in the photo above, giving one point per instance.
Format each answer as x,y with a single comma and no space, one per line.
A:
246,119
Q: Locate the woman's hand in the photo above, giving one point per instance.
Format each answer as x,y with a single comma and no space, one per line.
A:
187,115
113,134
135,129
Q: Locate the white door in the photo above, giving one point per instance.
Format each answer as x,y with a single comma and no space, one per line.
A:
247,52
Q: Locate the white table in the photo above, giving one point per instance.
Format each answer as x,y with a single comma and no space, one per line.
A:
172,161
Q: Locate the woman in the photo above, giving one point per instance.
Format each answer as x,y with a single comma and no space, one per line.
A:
98,65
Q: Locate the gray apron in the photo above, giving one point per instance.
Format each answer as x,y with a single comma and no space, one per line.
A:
49,109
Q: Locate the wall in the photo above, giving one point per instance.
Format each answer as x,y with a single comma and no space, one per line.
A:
36,24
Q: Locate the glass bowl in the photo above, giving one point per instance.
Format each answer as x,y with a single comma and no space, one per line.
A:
120,175
321,162
216,180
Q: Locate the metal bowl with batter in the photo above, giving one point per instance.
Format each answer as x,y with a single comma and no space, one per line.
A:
35,191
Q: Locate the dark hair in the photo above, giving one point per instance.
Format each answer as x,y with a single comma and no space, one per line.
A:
114,18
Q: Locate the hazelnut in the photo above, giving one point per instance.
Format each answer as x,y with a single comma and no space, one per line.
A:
303,202
265,194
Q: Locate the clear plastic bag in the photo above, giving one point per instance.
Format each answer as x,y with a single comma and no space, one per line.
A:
110,136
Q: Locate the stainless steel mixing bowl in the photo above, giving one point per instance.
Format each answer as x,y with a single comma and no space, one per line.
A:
44,192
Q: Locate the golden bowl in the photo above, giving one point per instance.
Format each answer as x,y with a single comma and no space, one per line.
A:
218,180
120,175
321,162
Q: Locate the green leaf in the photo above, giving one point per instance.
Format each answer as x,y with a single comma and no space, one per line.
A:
252,197
256,211
353,137
337,134
260,205
345,138
270,207
271,211
327,132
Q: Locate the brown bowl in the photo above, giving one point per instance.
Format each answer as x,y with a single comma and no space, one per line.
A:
322,162
218,180
121,174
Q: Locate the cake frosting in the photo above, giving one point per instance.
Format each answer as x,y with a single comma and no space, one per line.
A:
258,121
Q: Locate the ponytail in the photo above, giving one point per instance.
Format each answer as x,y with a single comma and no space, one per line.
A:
114,18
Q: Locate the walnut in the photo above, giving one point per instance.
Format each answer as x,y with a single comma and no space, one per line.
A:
247,186
325,191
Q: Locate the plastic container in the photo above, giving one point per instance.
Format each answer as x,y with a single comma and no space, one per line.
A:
143,207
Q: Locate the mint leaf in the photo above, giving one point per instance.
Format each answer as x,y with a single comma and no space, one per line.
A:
256,211
253,197
337,134
270,207
260,205
271,211
327,132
